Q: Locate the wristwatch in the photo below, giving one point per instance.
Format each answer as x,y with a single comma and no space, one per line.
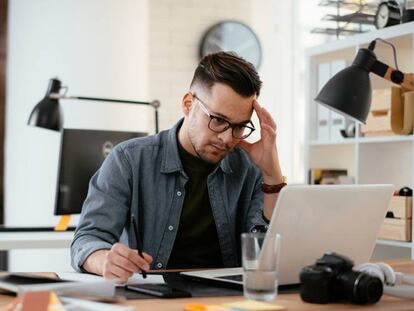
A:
274,188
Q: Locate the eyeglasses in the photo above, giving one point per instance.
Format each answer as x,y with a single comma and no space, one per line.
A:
220,125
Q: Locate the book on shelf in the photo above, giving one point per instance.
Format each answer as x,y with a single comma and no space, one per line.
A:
322,176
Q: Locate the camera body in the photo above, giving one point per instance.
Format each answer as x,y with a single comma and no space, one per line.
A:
331,279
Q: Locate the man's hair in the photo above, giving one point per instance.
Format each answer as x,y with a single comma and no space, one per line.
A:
230,69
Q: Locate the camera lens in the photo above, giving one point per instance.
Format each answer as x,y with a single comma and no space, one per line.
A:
359,287
368,290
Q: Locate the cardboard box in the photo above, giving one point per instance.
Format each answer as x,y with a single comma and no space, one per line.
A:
397,225
379,118
400,207
396,229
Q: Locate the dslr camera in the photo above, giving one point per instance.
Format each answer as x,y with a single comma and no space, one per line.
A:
331,279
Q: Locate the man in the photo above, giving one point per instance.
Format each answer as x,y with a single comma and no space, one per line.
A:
193,189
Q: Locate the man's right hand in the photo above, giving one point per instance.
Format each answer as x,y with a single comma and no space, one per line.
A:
118,263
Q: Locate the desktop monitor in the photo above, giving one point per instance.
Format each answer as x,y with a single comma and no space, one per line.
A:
81,155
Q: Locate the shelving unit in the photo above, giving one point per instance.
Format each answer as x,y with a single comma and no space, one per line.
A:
387,159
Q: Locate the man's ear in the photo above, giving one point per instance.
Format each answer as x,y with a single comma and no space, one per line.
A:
187,103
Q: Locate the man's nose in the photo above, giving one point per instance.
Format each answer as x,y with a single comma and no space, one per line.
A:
226,136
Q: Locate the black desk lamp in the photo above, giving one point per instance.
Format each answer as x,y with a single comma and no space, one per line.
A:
47,112
349,91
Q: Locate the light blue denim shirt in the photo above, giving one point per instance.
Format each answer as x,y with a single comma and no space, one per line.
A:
145,177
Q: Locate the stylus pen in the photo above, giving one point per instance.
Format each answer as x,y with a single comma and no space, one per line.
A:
138,242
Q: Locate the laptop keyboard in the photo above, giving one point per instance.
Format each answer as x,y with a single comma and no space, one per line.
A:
236,277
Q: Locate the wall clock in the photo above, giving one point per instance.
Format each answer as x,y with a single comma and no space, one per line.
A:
232,36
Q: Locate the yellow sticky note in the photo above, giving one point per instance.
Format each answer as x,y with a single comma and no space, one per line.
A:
251,305
202,307
54,303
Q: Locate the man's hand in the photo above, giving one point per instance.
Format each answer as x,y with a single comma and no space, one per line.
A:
118,264
264,152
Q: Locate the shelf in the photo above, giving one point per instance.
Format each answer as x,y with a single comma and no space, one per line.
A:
401,35
364,140
394,243
348,141
386,139
371,159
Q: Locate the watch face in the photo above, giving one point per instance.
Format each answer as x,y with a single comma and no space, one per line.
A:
235,37
382,17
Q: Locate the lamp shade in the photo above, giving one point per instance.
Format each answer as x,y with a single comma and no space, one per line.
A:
47,113
348,93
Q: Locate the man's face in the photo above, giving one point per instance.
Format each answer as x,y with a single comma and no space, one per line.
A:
223,102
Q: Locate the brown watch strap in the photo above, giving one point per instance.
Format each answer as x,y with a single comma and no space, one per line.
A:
273,188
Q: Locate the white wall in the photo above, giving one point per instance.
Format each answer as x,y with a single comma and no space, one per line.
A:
97,48
135,49
175,31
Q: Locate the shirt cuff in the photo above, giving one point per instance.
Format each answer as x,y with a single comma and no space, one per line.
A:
84,251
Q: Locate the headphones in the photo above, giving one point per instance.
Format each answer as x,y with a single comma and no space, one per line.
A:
390,279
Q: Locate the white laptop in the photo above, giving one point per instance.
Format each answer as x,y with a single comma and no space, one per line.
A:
312,220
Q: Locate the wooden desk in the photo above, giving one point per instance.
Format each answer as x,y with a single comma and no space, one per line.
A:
289,301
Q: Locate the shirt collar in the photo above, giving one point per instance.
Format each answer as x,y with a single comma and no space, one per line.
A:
171,161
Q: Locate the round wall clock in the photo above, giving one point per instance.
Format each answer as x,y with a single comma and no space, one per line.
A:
235,37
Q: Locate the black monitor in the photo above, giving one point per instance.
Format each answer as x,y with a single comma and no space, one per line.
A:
81,155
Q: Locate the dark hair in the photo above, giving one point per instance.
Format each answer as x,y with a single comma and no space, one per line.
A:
230,69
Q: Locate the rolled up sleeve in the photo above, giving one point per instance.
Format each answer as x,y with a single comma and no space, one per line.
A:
255,221
105,210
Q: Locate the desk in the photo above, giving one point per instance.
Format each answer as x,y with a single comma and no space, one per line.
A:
27,239
289,301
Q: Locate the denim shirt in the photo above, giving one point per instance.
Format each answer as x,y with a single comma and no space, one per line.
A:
144,177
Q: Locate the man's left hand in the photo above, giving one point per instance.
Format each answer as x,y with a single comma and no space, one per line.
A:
264,151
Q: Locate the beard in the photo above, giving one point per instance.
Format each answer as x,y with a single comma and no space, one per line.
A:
211,152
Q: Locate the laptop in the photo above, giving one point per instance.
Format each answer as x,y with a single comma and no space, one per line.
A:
312,220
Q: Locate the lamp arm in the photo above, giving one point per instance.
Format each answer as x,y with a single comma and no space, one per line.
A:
155,103
406,80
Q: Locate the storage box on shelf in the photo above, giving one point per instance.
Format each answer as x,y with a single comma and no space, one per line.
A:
391,113
397,224
369,158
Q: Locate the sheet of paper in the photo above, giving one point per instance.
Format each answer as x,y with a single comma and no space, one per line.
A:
251,305
86,277
80,304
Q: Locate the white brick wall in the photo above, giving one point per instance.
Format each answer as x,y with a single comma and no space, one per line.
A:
175,32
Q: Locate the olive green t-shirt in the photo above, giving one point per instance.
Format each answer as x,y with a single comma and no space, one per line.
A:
196,244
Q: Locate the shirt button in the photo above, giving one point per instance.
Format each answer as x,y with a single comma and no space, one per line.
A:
159,265
179,193
171,228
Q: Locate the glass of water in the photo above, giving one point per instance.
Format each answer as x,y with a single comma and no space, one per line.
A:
260,257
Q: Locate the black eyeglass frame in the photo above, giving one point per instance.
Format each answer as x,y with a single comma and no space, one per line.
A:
203,107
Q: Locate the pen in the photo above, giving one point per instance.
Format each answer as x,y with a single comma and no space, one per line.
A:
138,242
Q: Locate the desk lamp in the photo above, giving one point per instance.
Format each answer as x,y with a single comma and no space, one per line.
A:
349,91
47,112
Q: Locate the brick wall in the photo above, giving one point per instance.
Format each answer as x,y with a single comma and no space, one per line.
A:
175,32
